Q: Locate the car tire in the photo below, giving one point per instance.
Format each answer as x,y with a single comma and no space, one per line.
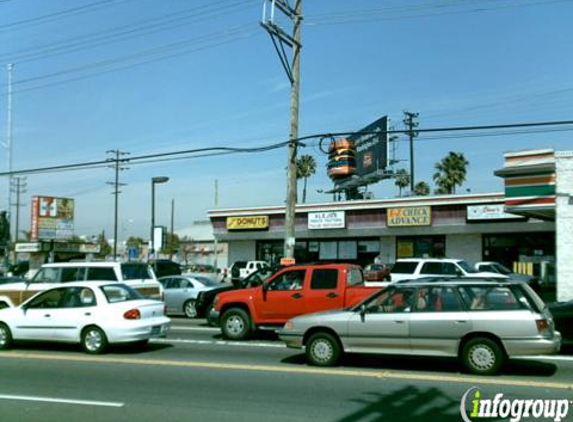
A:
482,356
5,337
190,308
323,349
236,324
94,340
210,321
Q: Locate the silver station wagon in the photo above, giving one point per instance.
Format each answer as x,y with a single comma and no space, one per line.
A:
482,323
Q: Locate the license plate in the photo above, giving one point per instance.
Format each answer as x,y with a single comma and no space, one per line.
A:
155,330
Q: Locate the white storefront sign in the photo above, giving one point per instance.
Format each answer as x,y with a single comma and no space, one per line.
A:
326,220
489,212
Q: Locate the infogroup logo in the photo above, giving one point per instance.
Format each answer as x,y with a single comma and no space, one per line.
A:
474,406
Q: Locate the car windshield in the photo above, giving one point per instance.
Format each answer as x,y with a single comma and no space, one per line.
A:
369,299
135,271
501,268
115,293
258,277
466,267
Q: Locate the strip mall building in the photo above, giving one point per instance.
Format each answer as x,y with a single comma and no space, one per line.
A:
528,227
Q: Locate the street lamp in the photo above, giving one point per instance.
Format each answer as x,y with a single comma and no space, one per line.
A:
154,180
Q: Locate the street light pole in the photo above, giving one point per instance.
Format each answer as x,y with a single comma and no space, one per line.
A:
154,180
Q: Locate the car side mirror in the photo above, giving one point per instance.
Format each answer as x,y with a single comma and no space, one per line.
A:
362,313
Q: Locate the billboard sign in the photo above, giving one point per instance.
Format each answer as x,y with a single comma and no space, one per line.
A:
326,220
409,217
371,148
251,222
52,218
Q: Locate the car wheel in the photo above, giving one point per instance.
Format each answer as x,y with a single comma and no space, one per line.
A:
236,324
323,349
5,337
94,340
210,321
190,309
482,356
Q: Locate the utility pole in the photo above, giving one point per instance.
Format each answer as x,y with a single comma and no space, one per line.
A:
116,184
8,146
172,234
215,243
18,187
410,125
280,38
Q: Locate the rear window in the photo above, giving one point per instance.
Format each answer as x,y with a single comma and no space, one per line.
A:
490,298
101,273
115,293
404,267
135,271
354,277
324,279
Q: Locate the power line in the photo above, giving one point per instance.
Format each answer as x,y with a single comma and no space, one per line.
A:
126,32
86,8
214,151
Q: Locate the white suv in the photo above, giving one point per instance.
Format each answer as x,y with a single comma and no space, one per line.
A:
413,268
138,275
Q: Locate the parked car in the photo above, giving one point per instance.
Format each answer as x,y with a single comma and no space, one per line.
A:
291,291
376,273
496,267
135,274
205,298
241,269
180,293
563,317
481,323
412,268
94,314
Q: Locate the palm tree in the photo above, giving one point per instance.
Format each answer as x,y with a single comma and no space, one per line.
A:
451,172
422,189
305,167
402,179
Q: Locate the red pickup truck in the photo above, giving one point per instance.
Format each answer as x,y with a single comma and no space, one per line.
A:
292,291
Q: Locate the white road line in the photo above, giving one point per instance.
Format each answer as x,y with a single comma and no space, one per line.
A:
212,329
62,401
220,343
548,357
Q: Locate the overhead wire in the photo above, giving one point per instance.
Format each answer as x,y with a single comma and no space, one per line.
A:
213,151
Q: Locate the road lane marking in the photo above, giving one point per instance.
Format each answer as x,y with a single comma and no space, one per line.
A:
219,343
386,374
62,401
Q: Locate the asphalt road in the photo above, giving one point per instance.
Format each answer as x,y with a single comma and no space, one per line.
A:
194,375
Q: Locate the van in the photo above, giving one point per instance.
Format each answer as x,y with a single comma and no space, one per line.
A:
138,275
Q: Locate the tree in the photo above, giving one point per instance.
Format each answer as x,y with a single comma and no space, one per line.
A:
421,189
402,179
172,243
305,167
104,247
135,241
451,172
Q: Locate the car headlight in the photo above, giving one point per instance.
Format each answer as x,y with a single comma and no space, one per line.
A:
215,301
289,326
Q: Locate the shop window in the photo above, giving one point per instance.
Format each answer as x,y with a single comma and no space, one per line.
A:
421,247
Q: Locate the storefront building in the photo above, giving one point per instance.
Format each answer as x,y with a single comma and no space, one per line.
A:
474,227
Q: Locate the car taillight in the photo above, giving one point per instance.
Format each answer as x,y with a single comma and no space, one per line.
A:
543,327
132,314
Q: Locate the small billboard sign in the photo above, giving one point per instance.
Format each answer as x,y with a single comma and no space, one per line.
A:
371,147
52,218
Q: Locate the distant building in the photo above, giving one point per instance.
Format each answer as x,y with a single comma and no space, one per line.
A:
197,245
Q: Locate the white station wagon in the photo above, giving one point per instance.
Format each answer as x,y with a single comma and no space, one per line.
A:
480,322
94,314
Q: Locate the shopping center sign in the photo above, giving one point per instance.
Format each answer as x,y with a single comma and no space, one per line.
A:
52,218
326,220
408,217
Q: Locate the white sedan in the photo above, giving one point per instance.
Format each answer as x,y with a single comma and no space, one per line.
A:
94,314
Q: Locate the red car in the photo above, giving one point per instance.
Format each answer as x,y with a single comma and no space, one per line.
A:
376,272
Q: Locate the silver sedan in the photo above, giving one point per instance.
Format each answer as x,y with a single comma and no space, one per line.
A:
480,322
181,293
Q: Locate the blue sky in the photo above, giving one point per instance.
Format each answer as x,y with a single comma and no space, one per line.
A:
149,76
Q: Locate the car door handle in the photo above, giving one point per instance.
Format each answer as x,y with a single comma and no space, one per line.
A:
47,316
399,321
297,296
88,314
332,295
461,322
